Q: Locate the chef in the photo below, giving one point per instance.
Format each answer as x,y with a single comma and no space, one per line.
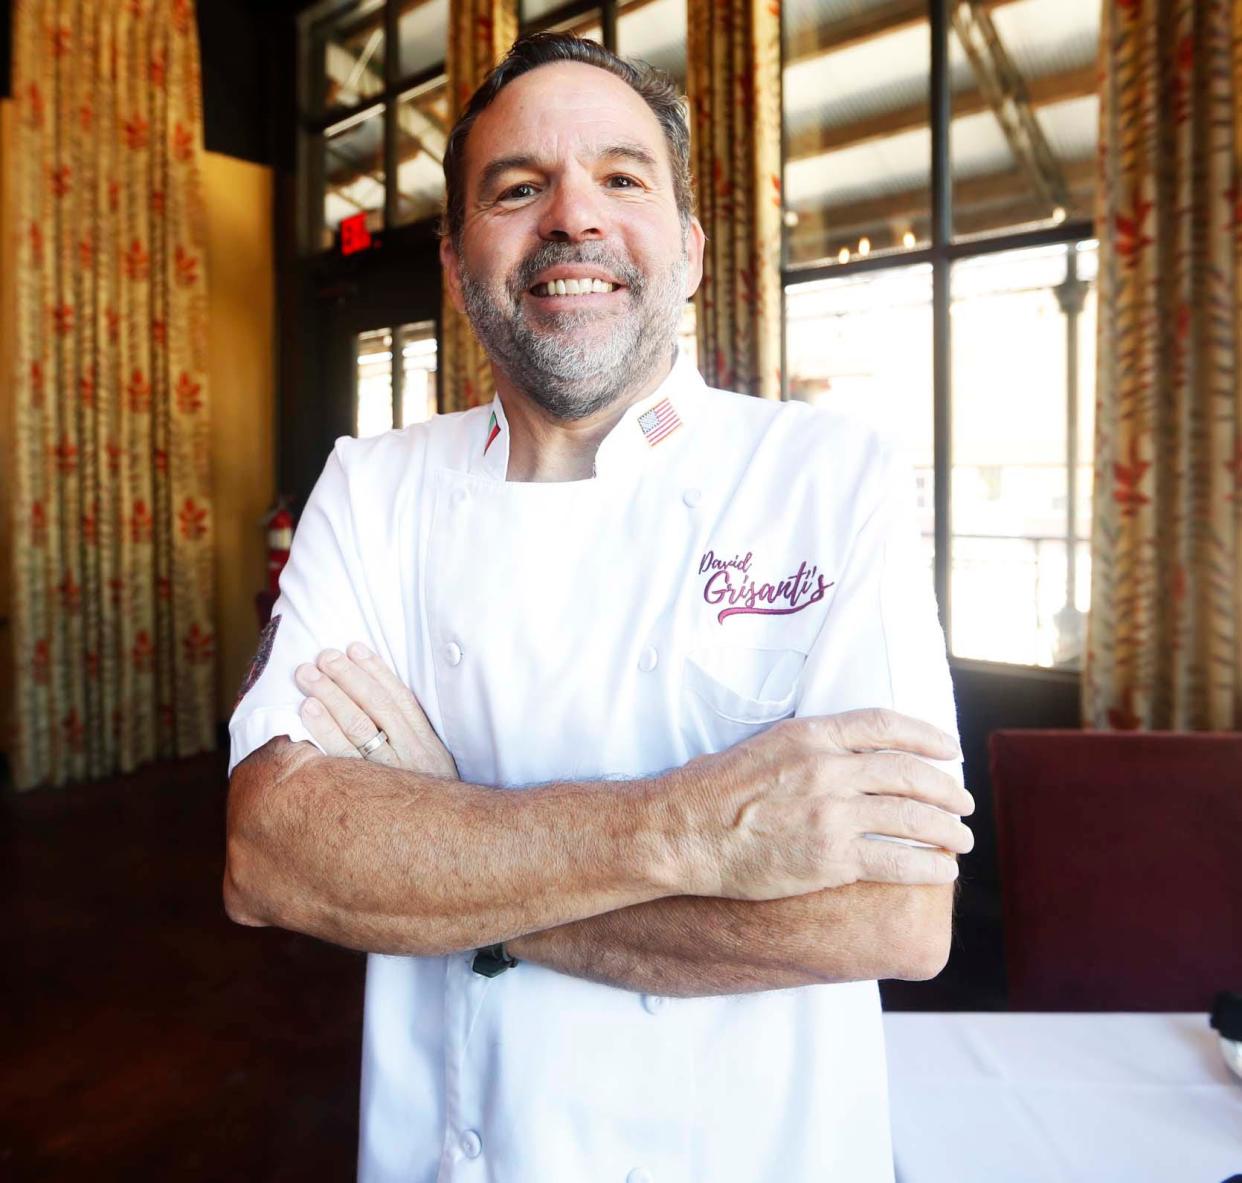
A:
612,719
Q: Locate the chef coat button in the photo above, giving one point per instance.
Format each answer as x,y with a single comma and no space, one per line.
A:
639,1175
452,653
471,1144
647,660
653,1002
459,496
692,497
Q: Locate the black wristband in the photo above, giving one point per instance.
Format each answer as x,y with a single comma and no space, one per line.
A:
492,960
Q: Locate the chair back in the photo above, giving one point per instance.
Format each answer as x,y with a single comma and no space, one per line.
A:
1120,859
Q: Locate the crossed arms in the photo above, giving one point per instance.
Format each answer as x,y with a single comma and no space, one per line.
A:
744,870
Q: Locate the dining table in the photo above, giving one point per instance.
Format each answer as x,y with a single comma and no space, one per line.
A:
1016,1097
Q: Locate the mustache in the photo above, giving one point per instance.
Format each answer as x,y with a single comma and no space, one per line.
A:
562,254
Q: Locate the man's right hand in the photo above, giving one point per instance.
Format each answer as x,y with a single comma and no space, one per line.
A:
787,812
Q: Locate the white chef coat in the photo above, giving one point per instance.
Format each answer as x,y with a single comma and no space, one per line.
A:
757,560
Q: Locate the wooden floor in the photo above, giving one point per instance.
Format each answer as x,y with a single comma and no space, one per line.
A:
144,1036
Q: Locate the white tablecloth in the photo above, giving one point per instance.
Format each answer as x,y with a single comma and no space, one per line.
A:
1056,1098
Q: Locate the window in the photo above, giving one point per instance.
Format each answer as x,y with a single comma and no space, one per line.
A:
353,173
375,110
940,276
863,342
349,49
1025,113
1020,546
374,114
857,139
654,31
391,396
422,131
375,105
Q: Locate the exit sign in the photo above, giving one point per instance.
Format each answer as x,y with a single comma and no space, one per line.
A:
355,234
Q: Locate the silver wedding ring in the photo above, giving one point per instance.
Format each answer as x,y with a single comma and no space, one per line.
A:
377,740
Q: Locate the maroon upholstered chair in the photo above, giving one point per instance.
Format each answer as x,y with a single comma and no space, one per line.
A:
1120,858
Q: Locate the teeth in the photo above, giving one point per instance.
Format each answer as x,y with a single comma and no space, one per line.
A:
572,287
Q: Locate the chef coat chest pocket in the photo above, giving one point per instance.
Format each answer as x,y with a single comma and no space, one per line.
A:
730,692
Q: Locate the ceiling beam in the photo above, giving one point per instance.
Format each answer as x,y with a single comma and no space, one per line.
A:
348,29
418,124
885,18
1000,80
1043,92
428,102
1019,213
994,199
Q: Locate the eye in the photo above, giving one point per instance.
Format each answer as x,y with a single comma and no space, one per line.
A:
517,192
621,181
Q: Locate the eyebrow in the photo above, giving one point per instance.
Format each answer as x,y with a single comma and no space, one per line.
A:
625,150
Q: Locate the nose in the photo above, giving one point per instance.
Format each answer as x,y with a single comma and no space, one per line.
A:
573,212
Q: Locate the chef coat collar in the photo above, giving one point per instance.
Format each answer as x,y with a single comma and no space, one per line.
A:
652,425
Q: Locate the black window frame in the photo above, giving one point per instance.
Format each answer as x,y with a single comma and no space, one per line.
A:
941,253
314,124
577,10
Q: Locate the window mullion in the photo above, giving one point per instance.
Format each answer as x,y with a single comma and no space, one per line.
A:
608,24
392,67
941,234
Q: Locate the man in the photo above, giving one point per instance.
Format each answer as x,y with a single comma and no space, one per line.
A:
588,612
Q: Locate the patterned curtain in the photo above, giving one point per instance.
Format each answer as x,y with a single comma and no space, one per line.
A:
734,81
1164,644
112,571
480,33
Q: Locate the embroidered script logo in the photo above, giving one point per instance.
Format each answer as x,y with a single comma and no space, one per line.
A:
732,585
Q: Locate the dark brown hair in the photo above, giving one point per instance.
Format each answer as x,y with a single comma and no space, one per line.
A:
528,53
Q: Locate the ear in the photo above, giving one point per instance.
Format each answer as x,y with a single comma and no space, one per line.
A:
451,267
696,243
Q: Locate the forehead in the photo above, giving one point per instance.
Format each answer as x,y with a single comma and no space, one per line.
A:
563,109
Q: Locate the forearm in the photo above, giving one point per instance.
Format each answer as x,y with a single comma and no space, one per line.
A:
691,946
385,860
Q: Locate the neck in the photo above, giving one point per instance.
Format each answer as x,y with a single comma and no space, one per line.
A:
545,448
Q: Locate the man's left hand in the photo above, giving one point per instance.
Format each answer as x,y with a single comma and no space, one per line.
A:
351,695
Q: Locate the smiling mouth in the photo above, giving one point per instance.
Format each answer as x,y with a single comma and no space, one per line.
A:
573,287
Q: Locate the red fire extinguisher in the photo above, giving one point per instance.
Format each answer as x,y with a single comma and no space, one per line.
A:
279,525
279,540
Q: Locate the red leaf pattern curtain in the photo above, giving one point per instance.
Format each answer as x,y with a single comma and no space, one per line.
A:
112,567
1164,647
734,83
480,33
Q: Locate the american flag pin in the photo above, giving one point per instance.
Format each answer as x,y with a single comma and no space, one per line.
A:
658,422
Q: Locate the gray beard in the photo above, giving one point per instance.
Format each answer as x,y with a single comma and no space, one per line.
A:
572,378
